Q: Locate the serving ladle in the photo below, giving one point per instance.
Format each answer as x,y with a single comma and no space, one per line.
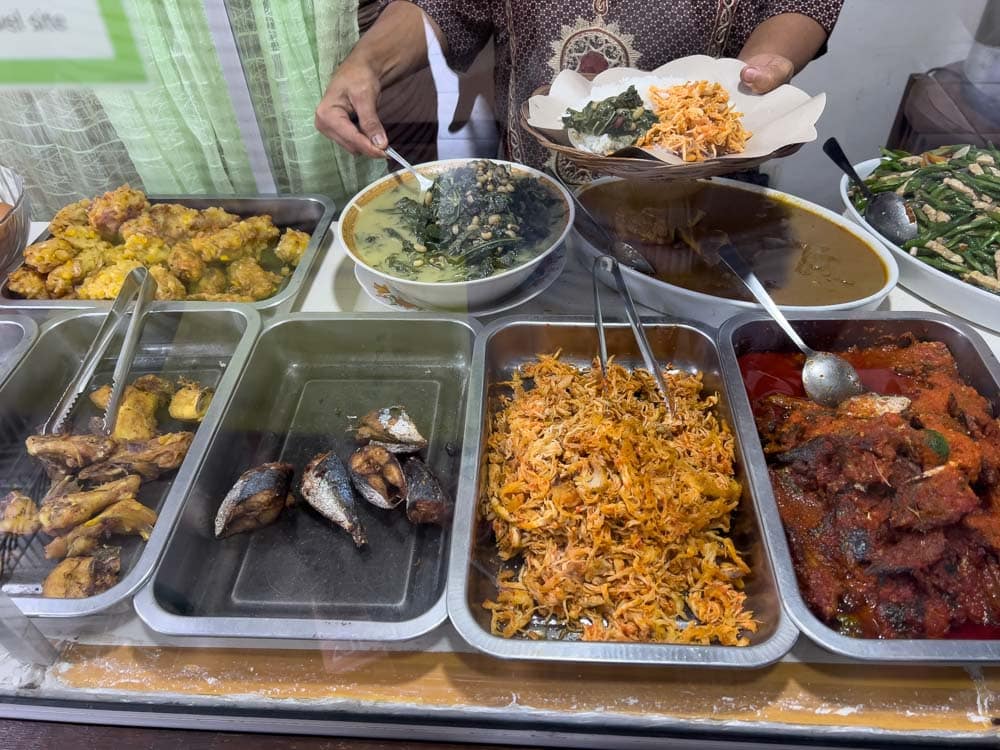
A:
827,378
886,212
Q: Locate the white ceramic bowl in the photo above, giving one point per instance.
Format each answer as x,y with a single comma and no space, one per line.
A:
937,287
453,295
714,311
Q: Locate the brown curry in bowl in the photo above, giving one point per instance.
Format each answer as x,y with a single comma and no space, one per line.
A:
802,257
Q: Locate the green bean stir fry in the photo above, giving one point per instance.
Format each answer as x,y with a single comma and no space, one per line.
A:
475,221
954,192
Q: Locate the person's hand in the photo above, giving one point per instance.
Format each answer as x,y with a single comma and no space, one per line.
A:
765,72
352,96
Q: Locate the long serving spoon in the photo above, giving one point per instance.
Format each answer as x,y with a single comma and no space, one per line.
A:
425,183
827,378
886,212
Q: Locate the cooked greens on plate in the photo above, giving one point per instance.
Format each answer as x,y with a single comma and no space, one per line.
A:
609,124
954,192
476,221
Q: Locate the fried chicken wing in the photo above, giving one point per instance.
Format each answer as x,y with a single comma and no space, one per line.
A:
148,458
186,264
127,517
73,215
60,281
49,254
106,283
247,277
27,283
18,514
67,454
212,281
291,246
168,286
108,212
244,239
73,508
80,577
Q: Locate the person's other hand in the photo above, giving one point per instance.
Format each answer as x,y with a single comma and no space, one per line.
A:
765,72
352,96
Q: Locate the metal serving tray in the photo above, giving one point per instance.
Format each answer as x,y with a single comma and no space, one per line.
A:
17,334
308,213
500,349
302,577
756,332
208,346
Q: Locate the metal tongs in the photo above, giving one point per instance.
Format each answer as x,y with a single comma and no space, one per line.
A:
141,286
609,264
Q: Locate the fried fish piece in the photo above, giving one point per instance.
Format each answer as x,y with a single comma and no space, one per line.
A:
213,281
27,283
392,428
244,239
291,246
79,577
49,254
426,502
127,517
108,212
18,514
72,215
326,486
168,286
247,277
256,499
61,280
377,476
106,283
147,458
68,454
65,511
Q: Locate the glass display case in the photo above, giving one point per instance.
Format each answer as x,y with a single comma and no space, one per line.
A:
411,370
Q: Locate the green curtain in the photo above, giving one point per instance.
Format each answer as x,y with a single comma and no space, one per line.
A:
181,133
289,50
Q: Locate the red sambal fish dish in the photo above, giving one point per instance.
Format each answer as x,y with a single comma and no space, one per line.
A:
891,501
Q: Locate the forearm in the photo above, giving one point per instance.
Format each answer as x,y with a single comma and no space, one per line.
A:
794,36
395,46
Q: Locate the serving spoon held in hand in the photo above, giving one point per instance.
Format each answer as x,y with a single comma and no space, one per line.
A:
886,212
425,183
827,378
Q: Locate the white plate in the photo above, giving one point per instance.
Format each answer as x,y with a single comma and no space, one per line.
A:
543,277
937,287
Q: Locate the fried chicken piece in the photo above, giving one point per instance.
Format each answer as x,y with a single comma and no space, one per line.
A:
147,250
49,254
137,410
212,281
27,283
18,514
127,517
168,286
108,212
60,281
73,508
73,215
190,402
67,454
247,277
161,387
212,219
106,283
148,458
244,239
291,246
80,577
186,264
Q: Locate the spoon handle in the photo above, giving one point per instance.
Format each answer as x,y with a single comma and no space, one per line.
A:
737,263
398,157
832,149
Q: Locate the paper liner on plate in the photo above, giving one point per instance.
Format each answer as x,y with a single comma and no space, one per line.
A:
784,117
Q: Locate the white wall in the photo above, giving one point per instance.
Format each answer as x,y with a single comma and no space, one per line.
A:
875,47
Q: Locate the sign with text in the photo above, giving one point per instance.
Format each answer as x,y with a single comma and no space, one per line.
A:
67,42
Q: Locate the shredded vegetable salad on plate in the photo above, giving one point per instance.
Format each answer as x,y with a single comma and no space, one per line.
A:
612,514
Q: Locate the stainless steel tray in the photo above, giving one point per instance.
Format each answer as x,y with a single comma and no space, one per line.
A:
302,577
308,213
209,345
17,334
500,349
756,332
